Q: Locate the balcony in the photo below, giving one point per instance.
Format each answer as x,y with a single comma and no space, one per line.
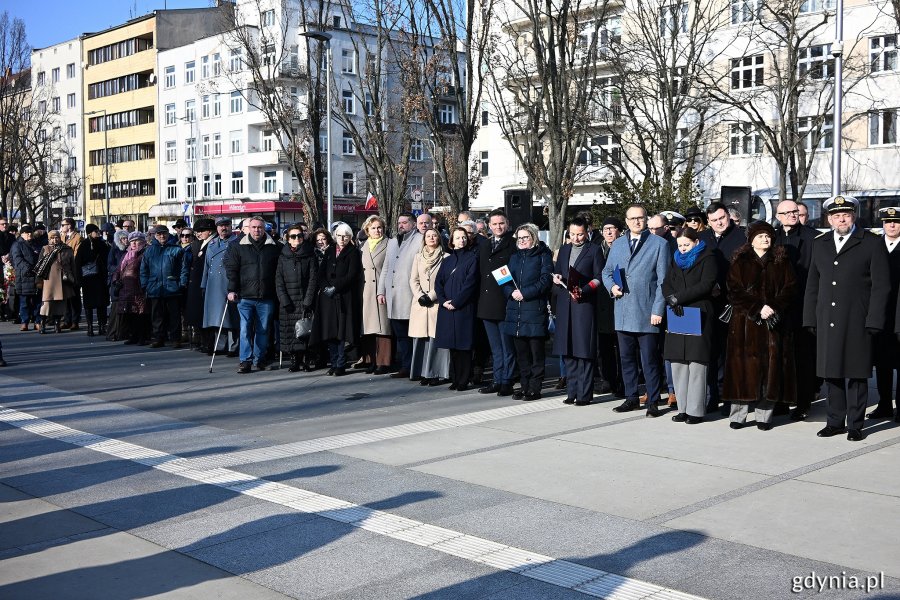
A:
606,115
265,158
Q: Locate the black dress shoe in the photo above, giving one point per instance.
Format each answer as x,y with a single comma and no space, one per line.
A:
425,381
462,388
402,374
505,390
680,418
627,406
381,371
453,386
438,381
530,397
694,420
489,389
764,426
245,367
855,435
569,401
736,425
340,372
560,384
829,431
518,395
798,414
370,369
329,372
582,402
652,411
880,413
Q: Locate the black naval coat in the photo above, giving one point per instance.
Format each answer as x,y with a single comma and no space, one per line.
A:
887,348
846,301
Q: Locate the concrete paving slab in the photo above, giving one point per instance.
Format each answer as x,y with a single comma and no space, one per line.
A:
431,446
25,520
612,481
119,567
566,418
874,472
820,522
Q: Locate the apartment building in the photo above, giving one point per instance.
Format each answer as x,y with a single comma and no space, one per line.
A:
120,108
736,154
57,104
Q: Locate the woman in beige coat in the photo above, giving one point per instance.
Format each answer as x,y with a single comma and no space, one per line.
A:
59,283
375,345
429,362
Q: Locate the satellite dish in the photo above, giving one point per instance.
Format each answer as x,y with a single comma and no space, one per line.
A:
152,78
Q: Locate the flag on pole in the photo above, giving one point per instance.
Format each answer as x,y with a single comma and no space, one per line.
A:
502,275
371,202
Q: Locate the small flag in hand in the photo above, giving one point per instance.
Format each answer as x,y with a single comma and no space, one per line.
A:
502,275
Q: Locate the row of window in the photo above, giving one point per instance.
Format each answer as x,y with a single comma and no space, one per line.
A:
119,50
128,118
212,185
124,189
120,154
118,85
54,74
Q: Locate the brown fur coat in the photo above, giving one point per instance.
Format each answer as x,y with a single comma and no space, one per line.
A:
757,355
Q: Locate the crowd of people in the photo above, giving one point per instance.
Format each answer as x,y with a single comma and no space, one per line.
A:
707,314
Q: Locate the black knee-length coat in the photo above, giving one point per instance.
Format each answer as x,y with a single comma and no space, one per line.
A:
296,284
576,328
339,317
693,287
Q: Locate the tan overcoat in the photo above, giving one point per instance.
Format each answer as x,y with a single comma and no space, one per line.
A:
374,315
422,321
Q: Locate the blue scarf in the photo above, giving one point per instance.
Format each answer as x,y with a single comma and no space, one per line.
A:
686,261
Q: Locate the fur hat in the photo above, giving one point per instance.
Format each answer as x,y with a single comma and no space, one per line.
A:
614,221
136,235
757,227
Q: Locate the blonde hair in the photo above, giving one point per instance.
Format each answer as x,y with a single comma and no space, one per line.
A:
371,219
532,230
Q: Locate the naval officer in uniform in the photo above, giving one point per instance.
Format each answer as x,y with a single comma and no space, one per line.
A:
887,350
845,304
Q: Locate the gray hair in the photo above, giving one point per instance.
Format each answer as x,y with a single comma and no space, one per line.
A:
532,230
469,223
342,228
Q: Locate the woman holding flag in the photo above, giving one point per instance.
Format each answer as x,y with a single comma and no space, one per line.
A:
527,289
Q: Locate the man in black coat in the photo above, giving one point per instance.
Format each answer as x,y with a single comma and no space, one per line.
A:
250,266
846,304
797,240
724,238
492,302
607,341
204,229
887,350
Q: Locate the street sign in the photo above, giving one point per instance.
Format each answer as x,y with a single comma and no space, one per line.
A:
417,196
80,223
415,206
416,212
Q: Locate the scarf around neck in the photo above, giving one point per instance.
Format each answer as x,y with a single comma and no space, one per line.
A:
686,261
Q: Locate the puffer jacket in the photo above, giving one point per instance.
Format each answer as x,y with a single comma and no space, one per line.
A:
164,269
532,271
24,256
251,268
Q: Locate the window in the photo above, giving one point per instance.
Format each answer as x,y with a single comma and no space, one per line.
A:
70,101
73,163
323,143
54,75
190,110
171,189
416,150
217,184
70,131
217,105
205,146
237,182
56,104
170,114
171,152
348,61
883,53
237,102
673,19
57,134
267,140
217,64
682,140
680,84
121,154
485,117
816,62
267,18
206,186
269,181
170,77
204,107
190,186
119,50
268,55
119,85
369,105
128,118
42,107
610,33
70,71
816,5
447,113
124,189
190,149
813,129
235,142
349,183
348,102
57,165
747,72
217,144
883,127
189,72
347,146
484,164
40,78
414,183
744,11
235,62
745,139
204,67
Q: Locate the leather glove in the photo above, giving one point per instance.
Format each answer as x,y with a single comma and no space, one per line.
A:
873,330
678,310
329,291
425,301
811,330
671,300
307,308
774,320
289,307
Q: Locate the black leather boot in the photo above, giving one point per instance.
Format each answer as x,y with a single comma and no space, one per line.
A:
90,329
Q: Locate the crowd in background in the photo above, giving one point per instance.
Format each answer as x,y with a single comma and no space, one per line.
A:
692,310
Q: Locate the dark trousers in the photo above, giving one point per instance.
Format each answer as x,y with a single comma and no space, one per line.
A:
28,308
647,345
336,352
461,372
137,326
805,359
165,315
531,356
608,357
579,378
886,361
73,308
715,374
101,316
400,327
847,400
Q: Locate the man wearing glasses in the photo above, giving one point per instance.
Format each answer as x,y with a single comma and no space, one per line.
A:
797,240
638,261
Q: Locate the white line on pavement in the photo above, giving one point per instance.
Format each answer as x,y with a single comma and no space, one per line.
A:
573,576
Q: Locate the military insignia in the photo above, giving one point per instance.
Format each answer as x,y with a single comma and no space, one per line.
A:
839,200
891,212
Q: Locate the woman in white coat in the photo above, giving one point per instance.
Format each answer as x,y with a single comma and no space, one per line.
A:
375,345
429,362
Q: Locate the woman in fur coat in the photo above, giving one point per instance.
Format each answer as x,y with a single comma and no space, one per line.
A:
759,368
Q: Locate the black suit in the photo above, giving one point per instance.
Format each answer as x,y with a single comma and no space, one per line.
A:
887,350
846,302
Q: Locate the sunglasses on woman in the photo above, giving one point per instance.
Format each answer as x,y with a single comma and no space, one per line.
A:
295,236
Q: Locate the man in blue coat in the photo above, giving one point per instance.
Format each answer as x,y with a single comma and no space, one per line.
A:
215,290
634,273
164,278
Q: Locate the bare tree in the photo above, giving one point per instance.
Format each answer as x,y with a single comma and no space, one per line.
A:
544,74
15,91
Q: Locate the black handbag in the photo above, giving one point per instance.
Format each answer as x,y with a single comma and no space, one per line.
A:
303,326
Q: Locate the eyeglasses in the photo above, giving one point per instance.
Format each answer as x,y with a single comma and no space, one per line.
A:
187,235
694,220
632,219
295,236
789,212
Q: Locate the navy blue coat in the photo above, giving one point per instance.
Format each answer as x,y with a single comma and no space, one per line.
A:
576,329
457,281
24,256
532,271
164,269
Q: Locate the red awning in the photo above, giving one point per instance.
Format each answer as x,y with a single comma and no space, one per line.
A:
252,208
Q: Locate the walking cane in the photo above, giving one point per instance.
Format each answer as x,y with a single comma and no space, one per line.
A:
216,345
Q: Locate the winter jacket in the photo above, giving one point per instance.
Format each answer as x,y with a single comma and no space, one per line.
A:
296,284
532,272
164,270
24,257
251,268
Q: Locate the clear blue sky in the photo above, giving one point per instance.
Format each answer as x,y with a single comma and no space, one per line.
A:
49,22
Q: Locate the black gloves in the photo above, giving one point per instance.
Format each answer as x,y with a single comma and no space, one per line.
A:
774,320
307,308
677,309
289,307
873,330
425,301
329,291
811,330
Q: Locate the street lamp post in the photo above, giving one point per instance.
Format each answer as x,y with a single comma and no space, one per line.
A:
837,51
193,198
105,161
324,37
434,172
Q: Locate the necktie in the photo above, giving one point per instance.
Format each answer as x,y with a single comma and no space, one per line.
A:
840,239
634,242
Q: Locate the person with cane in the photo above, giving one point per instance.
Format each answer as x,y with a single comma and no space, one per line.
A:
215,288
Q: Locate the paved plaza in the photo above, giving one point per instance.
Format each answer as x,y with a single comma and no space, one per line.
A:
129,473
